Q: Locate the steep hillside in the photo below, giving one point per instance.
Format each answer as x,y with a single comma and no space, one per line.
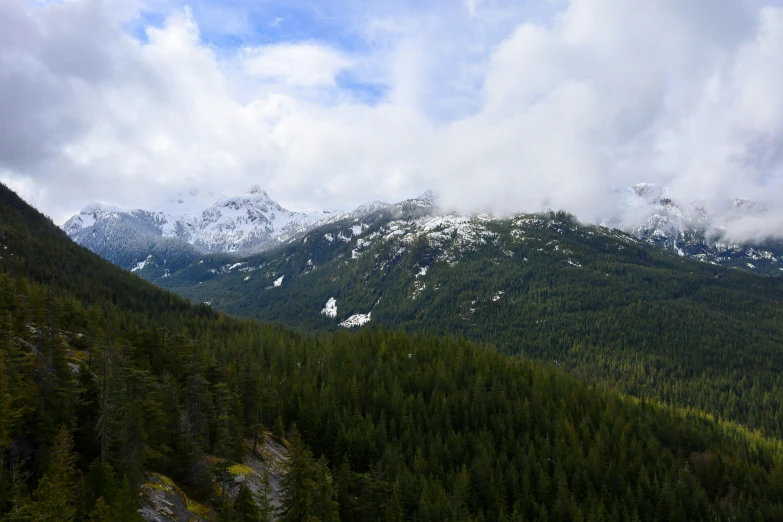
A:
596,301
94,394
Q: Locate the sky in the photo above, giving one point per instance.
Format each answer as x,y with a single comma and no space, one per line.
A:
493,104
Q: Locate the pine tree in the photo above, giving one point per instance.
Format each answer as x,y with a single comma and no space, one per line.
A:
325,507
100,512
99,482
298,483
245,508
55,497
5,403
17,497
278,431
394,512
223,477
125,505
265,507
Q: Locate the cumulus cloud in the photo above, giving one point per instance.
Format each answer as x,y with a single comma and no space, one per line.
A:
295,64
492,107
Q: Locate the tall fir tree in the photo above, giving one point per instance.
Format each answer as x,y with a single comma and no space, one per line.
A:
325,506
298,483
100,512
55,497
266,510
245,508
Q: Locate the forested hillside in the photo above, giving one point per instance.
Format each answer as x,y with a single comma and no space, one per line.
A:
594,301
103,376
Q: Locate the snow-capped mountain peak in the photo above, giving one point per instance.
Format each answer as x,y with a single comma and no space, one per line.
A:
195,223
256,190
88,216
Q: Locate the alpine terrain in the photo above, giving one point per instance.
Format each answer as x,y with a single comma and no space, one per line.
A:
195,223
120,401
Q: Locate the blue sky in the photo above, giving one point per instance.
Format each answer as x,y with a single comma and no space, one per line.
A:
461,31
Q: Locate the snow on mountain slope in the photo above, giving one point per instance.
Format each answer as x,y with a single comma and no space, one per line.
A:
211,222
190,224
196,223
691,229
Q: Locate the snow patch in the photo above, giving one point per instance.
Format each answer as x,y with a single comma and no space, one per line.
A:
356,320
142,264
330,309
418,288
278,281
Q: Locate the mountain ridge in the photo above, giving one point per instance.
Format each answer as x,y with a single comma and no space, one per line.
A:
195,224
436,428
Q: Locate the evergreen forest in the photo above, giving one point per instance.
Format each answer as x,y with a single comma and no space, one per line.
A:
105,378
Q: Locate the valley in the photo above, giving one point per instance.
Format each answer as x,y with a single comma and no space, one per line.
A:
414,425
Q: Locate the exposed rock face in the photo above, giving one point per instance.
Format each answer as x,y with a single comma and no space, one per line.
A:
164,501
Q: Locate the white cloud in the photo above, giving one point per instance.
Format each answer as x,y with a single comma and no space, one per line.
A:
540,112
304,64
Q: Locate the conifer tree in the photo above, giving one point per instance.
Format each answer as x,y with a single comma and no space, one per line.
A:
245,508
394,512
125,505
325,507
265,507
5,403
55,497
100,512
99,482
278,431
298,483
17,498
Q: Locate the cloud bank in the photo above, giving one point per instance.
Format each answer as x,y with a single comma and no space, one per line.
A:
489,105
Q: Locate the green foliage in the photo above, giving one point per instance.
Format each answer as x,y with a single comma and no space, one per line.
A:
278,430
245,508
325,507
101,512
422,427
266,509
54,498
633,317
299,481
125,505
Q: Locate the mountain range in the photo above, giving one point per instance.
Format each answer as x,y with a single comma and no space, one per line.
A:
637,290
121,401
194,224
